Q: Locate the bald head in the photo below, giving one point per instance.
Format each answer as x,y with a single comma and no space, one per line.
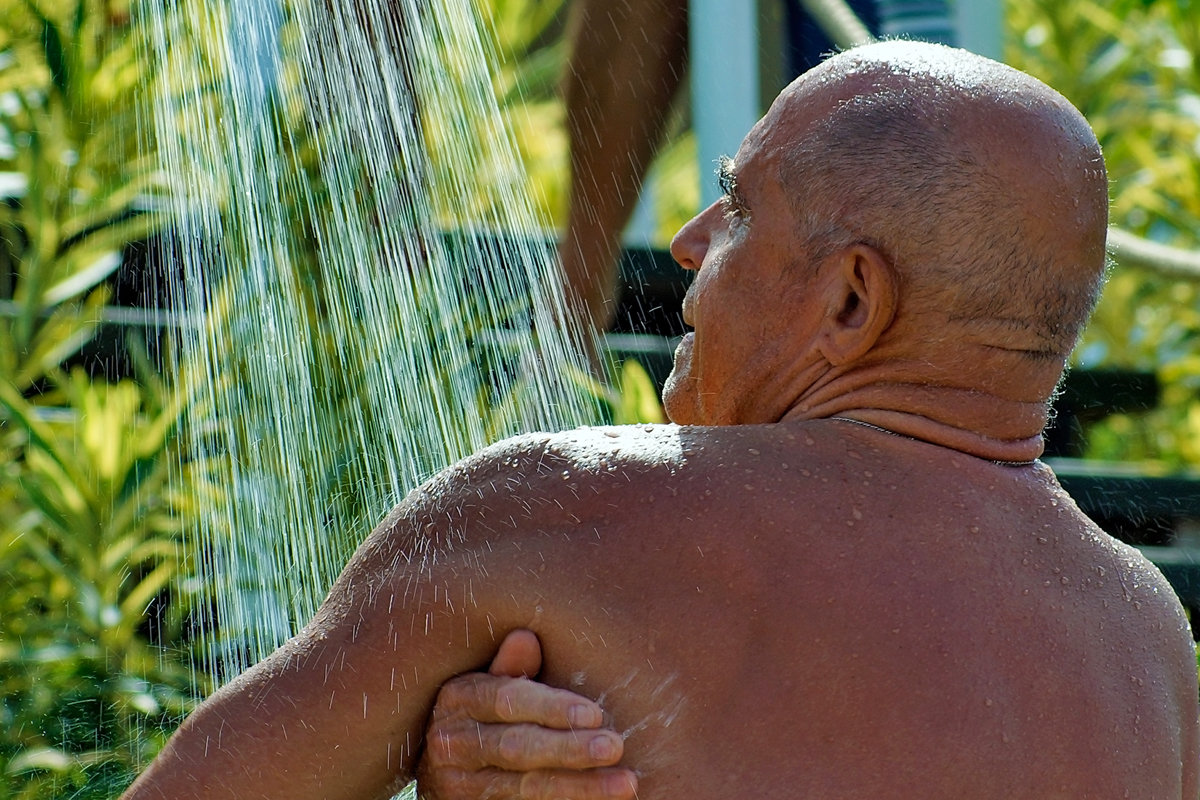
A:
983,186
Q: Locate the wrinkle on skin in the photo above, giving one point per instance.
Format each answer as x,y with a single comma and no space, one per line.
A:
906,372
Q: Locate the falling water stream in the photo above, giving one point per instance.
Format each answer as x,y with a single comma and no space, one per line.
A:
345,346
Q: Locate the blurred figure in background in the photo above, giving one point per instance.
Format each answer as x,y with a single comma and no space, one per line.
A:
628,58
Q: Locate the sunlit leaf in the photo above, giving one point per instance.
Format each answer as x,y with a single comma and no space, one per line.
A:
97,270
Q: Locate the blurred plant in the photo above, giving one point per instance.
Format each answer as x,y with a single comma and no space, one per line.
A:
530,53
93,663
1133,68
632,398
94,670
71,180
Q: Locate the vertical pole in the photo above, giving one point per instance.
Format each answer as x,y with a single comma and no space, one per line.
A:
724,77
642,227
980,26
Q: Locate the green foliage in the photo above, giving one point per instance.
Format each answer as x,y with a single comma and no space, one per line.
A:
69,174
635,397
89,551
93,670
631,398
531,53
1133,68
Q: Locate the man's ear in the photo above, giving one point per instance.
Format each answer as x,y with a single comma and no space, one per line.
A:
863,292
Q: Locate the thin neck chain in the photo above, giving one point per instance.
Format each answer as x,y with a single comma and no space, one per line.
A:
914,439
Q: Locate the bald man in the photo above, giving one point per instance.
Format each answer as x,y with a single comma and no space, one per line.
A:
843,573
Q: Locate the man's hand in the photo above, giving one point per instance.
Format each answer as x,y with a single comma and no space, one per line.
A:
501,736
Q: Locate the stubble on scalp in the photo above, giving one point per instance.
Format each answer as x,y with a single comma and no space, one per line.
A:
904,161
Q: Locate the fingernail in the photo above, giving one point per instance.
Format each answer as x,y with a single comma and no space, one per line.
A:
582,716
621,784
602,748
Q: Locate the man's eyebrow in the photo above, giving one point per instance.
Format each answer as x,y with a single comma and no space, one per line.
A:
727,180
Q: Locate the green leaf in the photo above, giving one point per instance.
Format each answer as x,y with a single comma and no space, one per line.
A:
103,265
135,603
54,50
17,409
60,336
639,396
39,758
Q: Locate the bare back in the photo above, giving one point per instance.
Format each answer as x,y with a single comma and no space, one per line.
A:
821,611
794,610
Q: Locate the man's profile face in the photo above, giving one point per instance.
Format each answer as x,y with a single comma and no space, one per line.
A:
746,304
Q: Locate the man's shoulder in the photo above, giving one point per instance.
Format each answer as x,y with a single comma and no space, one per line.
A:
544,465
647,451
586,451
607,475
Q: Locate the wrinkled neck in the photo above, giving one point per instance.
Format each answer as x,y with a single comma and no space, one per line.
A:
944,410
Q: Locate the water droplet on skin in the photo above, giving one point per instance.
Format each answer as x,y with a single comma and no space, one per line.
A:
974,529
806,473
1042,540
754,452
1065,580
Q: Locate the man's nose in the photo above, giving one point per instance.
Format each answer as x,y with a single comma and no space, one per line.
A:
691,242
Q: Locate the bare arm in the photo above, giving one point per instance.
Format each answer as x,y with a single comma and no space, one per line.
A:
627,60
325,716
339,710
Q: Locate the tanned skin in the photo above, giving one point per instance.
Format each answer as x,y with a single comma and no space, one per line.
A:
772,598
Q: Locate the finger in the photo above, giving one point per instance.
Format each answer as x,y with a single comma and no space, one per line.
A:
519,656
601,784
522,748
489,698
530,747
495,784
